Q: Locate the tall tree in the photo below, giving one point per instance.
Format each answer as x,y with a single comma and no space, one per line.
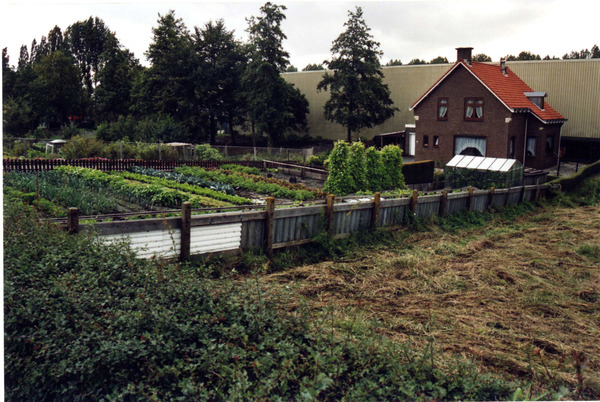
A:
116,74
584,54
221,61
273,104
415,62
359,98
166,87
55,39
57,88
85,41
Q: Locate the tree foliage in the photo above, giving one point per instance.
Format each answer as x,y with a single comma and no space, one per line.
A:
274,105
481,57
58,89
584,54
439,60
359,99
394,62
313,67
217,76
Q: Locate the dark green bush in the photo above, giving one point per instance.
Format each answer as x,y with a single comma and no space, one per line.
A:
87,321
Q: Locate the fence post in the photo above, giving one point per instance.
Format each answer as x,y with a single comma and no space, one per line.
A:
414,199
329,214
443,204
270,224
186,231
470,199
522,195
73,221
491,199
376,207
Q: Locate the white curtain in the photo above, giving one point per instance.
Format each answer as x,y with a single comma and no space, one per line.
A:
531,145
462,143
469,112
479,111
442,111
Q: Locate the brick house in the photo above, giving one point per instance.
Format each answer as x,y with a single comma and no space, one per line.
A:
485,110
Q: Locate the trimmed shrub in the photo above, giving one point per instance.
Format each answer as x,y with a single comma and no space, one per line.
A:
375,169
391,156
339,181
357,166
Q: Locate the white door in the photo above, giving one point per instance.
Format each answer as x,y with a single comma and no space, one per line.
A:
411,144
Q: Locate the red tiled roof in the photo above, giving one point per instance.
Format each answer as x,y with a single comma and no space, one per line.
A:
509,89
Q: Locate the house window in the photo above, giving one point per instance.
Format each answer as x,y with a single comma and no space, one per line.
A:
442,113
436,141
511,147
550,144
531,146
425,141
473,109
474,146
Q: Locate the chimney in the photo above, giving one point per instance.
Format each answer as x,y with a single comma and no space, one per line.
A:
464,53
503,65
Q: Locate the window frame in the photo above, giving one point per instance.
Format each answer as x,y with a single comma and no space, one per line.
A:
436,141
439,104
473,102
425,141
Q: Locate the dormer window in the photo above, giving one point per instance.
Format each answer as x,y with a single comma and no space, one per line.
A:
537,98
474,109
442,113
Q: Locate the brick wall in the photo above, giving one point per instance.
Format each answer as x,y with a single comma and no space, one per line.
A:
498,126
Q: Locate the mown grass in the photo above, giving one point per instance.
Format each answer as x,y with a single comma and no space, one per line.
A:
516,292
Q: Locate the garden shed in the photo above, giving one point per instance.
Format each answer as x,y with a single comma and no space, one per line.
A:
483,173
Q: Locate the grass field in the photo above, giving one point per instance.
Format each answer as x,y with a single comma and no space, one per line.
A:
518,296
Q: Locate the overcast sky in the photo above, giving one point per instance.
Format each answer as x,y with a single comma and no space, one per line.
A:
405,29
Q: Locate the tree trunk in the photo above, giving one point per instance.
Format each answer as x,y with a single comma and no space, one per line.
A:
213,130
253,135
232,131
349,135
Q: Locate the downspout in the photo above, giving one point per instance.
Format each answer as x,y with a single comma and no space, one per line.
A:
525,141
559,140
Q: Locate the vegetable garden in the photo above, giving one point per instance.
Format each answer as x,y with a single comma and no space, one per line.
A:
94,192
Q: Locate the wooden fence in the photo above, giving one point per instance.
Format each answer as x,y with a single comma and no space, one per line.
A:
272,228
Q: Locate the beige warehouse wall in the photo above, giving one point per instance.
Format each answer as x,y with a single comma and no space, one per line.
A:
573,88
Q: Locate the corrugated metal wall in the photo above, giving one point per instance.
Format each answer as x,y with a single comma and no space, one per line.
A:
573,88
293,226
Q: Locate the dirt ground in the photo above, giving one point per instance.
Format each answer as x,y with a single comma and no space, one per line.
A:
519,298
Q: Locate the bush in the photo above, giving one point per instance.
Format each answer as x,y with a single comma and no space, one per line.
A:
391,156
318,159
69,130
204,152
88,321
357,166
82,147
339,181
375,169
124,127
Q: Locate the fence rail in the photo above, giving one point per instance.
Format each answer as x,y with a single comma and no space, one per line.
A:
106,165
272,228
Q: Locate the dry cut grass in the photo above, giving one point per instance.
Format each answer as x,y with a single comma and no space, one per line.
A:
518,298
